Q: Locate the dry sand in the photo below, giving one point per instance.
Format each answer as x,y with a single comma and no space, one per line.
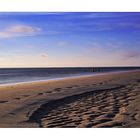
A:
111,100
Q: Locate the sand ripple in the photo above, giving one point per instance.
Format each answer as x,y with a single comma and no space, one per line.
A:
103,108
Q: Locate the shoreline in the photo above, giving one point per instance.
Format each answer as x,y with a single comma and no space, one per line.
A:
66,78
113,97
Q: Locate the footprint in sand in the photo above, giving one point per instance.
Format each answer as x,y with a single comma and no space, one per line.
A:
93,84
76,86
25,95
48,91
12,113
40,93
69,87
17,98
101,83
57,89
3,102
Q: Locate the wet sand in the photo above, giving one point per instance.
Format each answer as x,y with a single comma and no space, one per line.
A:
110,100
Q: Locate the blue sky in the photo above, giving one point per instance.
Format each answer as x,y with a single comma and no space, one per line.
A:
69,39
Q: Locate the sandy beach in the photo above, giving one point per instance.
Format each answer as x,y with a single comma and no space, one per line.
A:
108,100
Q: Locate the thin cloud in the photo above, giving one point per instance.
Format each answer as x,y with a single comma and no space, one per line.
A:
19,30
132,54
53,32
63,43
31,46
129,25
44,55
127,54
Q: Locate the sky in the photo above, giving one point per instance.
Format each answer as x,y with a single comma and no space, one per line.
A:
69,39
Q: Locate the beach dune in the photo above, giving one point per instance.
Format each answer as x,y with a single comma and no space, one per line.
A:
106,100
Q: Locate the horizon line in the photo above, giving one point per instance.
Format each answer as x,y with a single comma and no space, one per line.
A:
73,67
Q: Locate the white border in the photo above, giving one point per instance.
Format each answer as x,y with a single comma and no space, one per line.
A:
70,134
69,5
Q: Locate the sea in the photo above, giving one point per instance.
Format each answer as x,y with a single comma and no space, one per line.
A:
19,75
